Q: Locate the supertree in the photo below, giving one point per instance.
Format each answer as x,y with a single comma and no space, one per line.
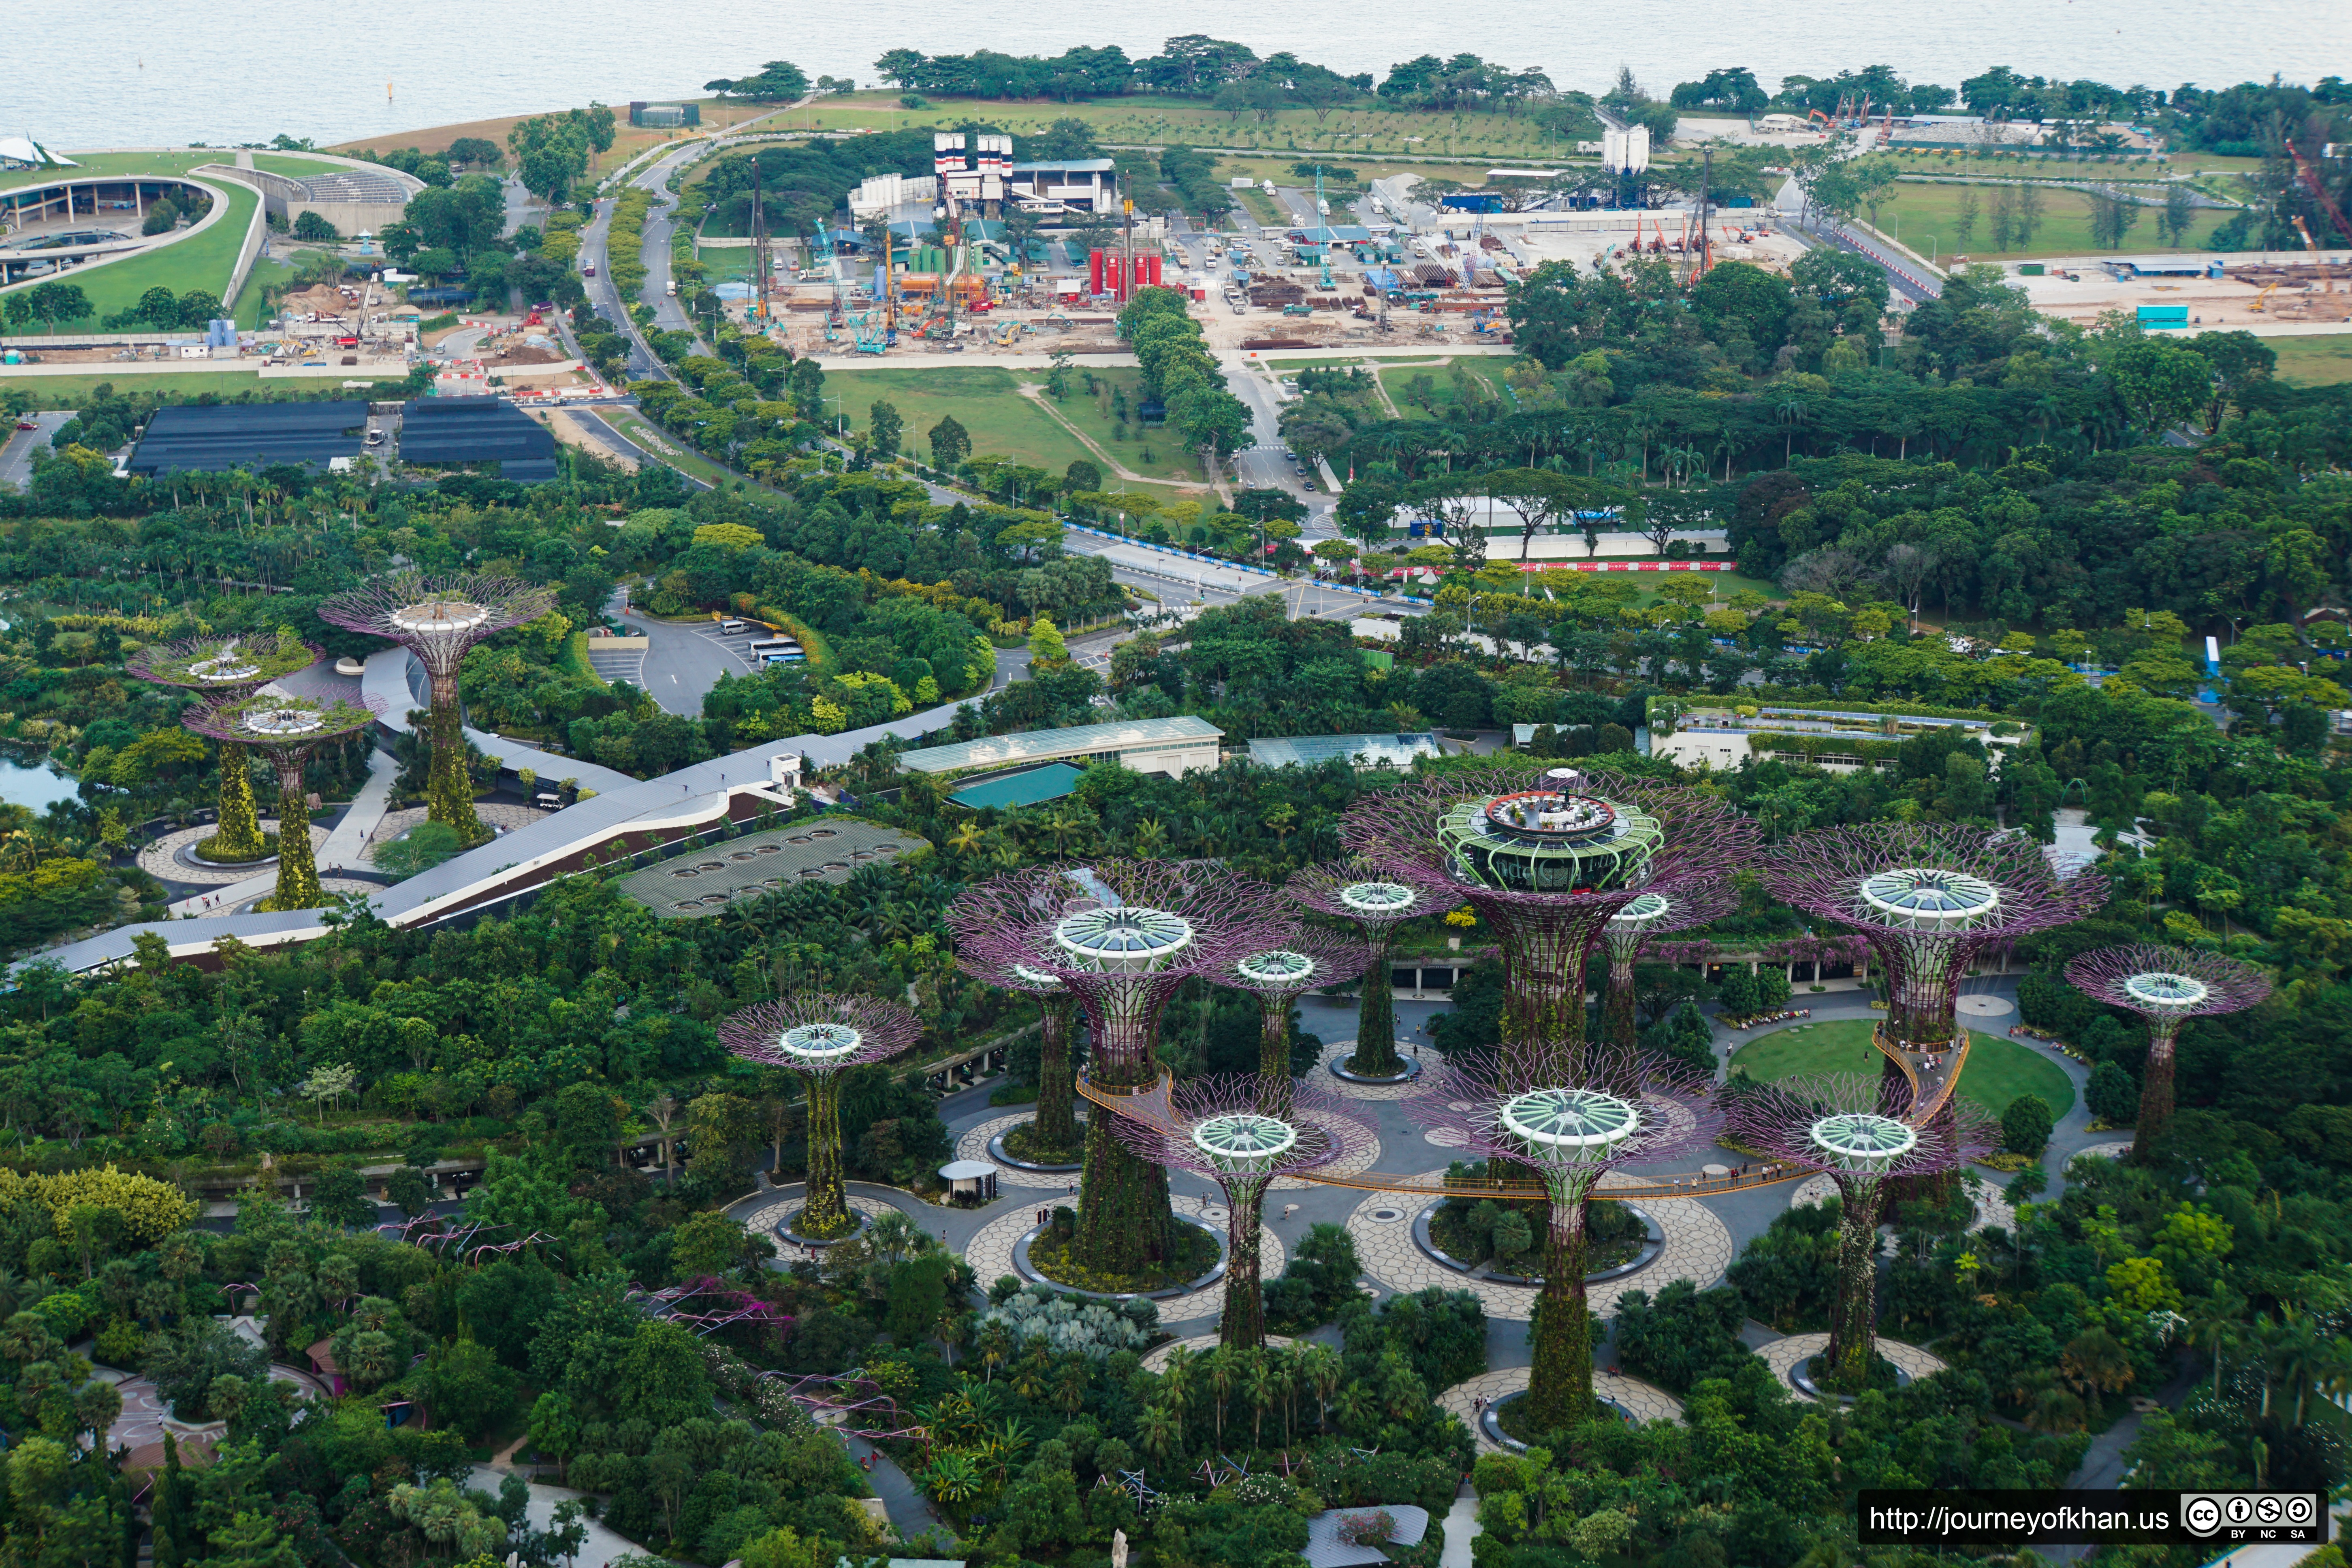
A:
226,667
1218,1128
1929,898
2165,985
1054,1127
286,730
1570,1122
1122,936
1854,1128
821,1035
1548,866
1278,976
1359,889
439,619
1641,922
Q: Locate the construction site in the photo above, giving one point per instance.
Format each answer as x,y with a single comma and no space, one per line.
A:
2175,291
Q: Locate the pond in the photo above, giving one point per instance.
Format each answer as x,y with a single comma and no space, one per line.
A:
33,785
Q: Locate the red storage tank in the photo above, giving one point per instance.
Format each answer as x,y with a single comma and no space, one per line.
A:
1094,272
1152,269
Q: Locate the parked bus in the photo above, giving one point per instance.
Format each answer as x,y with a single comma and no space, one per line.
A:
777,650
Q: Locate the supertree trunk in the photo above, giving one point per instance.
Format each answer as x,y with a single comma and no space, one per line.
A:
298,871
1243,1325
449,790
237,836
1274,1055
1543,963
1854,1315
1376,1053
826,1211
1125,1223
1056,1124
2156,1088
1618,1025
1559,1386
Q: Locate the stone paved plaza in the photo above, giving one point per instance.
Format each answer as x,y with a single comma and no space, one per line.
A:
1784,1355
1646,1402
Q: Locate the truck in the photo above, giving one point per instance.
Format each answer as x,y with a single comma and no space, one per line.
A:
589,270
670,287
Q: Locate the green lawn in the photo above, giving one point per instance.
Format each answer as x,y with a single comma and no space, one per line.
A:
1094,415
293,164
663,447
981,397
1398,378
195,261
1925,217
2315,361
109,164
71,391
1999,1068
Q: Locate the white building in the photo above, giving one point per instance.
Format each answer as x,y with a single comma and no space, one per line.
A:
1627,150
1173,746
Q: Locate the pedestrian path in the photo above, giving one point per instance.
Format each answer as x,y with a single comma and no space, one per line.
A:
342,847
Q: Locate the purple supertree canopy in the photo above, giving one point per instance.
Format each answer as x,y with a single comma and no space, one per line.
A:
1122,936
1294,963
284,729
1929,899
1216,1127
1362,890
1638,925
1855,1127
2165,985
820,1032
1611,1107
437,619
229,664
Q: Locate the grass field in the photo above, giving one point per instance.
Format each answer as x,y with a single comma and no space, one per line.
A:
195,261
1095,416
105,166
290,163
663,447
1924,217
1396,378
2315,361
981,397
70,391
627,140
1999,1068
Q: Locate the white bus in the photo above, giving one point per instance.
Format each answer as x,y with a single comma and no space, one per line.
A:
729,628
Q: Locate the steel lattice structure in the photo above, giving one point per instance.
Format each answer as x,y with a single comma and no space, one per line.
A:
1548,867
1218,1126
440,619
2165,986
287,730
1361,890
1860,1132
1638,926
708,1304
1568,1124
226,667
820,1034
1121,936
1929,899
1054,1121
1278,976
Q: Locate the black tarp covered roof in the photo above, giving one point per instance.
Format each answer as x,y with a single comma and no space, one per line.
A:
224,436
475,430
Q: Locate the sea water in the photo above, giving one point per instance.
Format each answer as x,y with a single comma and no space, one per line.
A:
166,74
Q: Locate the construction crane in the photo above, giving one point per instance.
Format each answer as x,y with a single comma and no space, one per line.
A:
1323,217
2310,178
839,313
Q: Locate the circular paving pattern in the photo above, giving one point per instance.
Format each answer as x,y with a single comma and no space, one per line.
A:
1363,1159
1646,1402
1699,1248
2105,1150
1339,1052
1783,1356
1992,1208
161,859
494,814
1983,1006
972,1145
1198,1344
990,1253
763,1221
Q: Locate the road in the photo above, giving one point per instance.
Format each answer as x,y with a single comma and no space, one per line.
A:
16,454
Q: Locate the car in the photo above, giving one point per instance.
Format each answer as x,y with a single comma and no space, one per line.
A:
375,437
1310,487
27,425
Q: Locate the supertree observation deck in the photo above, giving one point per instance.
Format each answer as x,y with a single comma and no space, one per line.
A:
1548,867
1360,890
1856,1130
1639,924
226,667
1218,1128
820,1036
1278,977
440,620
1568,1124
2166,986
287,730
1122,937
1929,899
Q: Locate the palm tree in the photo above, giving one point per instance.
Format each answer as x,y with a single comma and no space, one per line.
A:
1176,1387
995,1347
1223,1374
1323,1371
1161,1432
2215,1326
952,1477
1791,411
1258,1383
